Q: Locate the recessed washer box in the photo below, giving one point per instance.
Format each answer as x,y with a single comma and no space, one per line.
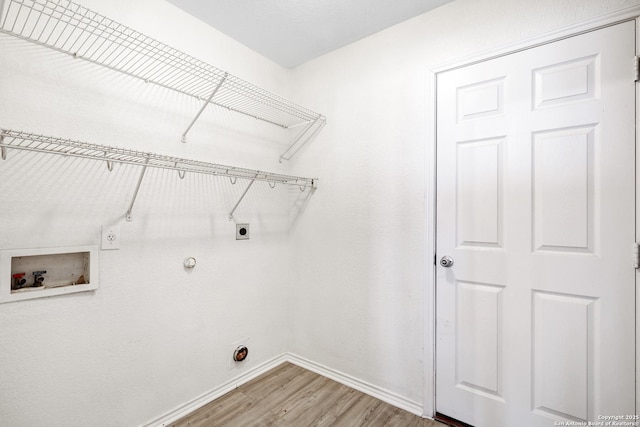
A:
45,272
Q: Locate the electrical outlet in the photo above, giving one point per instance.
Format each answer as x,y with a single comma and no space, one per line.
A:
110,237
242,231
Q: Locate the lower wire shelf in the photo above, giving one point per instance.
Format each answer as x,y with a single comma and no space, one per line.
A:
12,139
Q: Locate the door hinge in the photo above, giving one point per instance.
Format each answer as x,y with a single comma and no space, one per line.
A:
636,68
636,255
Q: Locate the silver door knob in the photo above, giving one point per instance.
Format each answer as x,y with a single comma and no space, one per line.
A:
446,261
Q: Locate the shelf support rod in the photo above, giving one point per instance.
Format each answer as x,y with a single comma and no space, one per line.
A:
215,90
135,193
298,138
241,198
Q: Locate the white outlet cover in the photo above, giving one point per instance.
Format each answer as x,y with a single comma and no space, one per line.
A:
110,237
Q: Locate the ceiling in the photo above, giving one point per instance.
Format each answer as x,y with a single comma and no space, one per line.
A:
292,32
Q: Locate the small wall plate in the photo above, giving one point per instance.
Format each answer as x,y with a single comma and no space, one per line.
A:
242,231
189,262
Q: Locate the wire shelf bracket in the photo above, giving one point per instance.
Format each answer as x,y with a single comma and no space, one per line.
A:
213,93
303,137
71,28
18,140
135,193
246,190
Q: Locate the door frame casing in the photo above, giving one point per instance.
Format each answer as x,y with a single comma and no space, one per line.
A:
623,15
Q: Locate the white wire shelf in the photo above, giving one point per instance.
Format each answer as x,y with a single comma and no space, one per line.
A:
11,139
73,29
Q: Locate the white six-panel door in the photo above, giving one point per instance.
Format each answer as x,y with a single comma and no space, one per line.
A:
536,207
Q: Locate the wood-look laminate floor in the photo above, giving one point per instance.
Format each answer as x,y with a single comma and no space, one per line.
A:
292,396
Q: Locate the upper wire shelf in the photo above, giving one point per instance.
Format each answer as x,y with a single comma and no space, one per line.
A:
73,29
11,139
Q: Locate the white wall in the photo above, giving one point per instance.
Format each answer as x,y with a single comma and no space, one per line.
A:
360,248
153,336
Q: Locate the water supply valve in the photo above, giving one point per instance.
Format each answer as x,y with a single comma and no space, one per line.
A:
18,281
38,278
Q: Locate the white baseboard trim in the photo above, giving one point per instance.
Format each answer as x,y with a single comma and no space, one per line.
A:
217,392
367,388
362,386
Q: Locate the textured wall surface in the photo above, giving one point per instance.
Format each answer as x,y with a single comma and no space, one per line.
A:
360,245
154,335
